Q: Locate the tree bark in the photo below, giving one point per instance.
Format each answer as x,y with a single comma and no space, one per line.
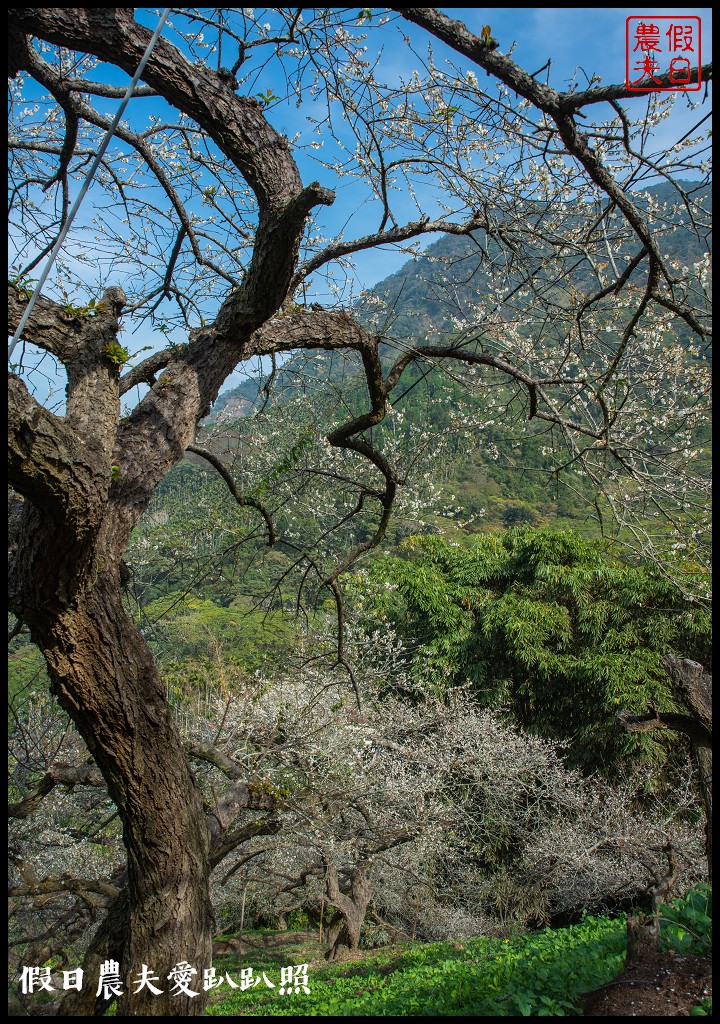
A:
86,479
692,686
703,762
643,939
108,943
65,584
104,676
351,906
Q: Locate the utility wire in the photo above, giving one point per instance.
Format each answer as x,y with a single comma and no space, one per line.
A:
86,184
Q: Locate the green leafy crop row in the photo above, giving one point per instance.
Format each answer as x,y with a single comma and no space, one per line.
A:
545,974
542,975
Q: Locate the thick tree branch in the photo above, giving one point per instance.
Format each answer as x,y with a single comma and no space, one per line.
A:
653,719
48,464
693,685
146,371
457,35
48,327
215,757
57,775
234,837
608,93
88,889
112,92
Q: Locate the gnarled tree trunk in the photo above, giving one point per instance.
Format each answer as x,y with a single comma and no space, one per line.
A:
86,477
104,676
351,906
692,686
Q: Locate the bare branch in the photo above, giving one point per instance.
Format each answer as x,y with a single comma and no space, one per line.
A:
57,775
560,106
242,501
385,237
653,719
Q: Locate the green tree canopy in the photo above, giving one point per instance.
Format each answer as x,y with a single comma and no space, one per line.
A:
546,626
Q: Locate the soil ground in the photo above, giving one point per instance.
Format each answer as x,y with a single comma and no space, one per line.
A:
664,985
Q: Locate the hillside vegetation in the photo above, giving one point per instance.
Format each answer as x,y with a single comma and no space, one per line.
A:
497,588
498,470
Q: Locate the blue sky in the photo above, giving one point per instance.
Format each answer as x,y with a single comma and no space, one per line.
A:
572,38
593,38
578,37
590,39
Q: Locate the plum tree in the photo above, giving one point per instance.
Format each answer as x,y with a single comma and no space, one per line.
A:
201,212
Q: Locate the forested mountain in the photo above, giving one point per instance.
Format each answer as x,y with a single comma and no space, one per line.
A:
425,296
502,474
428,294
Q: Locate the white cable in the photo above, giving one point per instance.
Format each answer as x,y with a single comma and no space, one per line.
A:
86,184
